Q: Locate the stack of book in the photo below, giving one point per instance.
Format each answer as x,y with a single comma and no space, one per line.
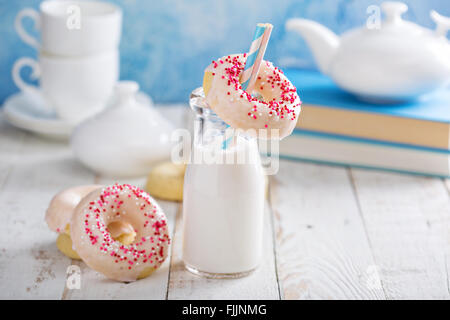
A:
337,128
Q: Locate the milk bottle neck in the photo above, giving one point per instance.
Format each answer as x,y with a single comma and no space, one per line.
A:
208,125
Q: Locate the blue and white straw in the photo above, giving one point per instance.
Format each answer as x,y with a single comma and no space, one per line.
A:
253,62
256,54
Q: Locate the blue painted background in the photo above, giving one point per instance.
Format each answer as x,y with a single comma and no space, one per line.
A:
166,44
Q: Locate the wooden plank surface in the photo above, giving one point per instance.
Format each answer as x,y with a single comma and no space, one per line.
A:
407,221
331,233
30,264
322,249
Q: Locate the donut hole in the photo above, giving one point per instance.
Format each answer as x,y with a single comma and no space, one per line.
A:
261,95
122,231
258,95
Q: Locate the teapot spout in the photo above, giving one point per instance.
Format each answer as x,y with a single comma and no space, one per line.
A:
322,41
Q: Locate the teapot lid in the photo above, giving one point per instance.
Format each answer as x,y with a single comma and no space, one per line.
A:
393,11
393,21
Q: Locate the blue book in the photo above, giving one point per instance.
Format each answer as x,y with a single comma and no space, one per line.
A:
365,153
424,123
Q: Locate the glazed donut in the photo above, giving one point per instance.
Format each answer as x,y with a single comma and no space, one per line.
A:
278,109
63,204
120,206
64,244
60,212
166,180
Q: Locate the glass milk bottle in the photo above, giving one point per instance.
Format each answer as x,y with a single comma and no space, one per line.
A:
223,201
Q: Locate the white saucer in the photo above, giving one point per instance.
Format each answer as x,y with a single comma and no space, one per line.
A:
29,112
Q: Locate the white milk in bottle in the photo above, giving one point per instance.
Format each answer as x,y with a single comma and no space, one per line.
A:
223,201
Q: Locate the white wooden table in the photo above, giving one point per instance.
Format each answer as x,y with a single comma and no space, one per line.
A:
331,233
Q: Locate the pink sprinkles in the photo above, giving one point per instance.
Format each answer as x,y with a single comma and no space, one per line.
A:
234,68
111,199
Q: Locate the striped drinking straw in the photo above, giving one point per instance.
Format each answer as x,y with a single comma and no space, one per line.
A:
253,62
255,55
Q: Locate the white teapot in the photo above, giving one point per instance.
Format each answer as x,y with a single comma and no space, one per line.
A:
398,61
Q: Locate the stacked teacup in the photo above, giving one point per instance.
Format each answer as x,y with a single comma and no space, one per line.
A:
78,62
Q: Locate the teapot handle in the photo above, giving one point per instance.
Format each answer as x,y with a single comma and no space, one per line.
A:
393,10
442,23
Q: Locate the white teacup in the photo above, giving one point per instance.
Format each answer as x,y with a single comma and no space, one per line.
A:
75,88
73,28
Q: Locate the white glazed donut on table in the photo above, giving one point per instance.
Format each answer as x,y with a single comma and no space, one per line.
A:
59,214
120,205
63,204
279,108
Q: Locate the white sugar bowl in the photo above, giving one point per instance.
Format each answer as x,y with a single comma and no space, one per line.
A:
124,140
